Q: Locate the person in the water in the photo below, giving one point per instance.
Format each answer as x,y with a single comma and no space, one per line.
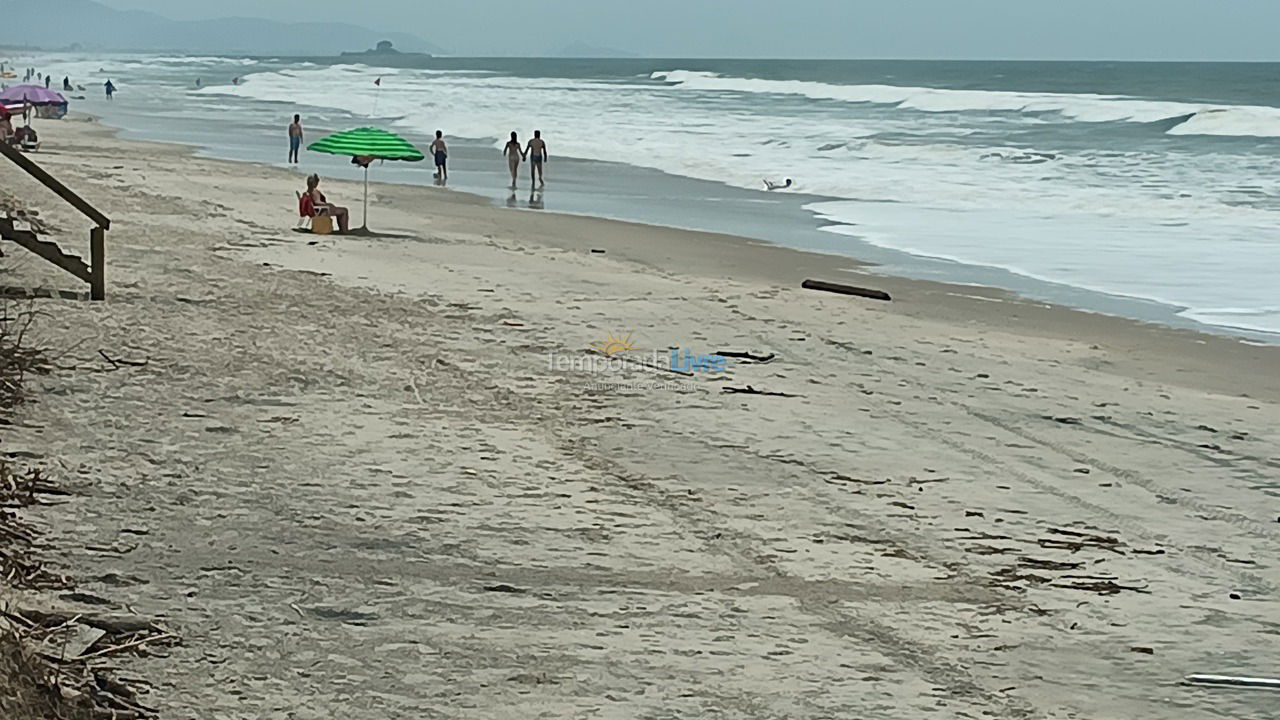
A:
514,155
441,153
537,157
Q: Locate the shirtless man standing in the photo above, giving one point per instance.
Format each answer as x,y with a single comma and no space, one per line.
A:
537,157
295,138
441,153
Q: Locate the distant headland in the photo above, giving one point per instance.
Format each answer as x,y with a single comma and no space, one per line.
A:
383,49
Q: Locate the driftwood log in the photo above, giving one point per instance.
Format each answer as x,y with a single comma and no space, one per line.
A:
845,289
1237,682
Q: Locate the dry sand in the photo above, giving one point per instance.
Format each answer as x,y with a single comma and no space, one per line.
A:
349,477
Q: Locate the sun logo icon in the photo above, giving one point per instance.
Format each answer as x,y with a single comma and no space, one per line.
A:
614,345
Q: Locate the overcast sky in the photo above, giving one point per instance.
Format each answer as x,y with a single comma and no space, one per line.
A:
1022,29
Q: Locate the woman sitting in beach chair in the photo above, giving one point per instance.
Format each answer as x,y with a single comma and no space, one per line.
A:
314,204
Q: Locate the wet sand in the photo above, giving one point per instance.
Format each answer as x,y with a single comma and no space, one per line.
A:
351,476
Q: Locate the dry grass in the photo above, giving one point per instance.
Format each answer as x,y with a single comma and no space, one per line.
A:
26,689
27,692
18,359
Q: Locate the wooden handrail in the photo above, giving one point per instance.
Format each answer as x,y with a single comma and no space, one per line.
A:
52,183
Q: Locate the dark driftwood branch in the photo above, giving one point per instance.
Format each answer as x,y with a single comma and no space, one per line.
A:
116,362
749,390
845,289
747,356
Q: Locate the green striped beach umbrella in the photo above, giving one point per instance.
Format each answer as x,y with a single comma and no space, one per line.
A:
367,143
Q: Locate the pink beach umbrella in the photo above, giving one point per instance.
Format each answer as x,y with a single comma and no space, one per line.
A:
48,103
34,94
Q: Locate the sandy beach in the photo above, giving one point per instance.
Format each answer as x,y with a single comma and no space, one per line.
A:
352,476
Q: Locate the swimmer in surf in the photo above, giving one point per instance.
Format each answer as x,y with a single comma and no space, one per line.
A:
770,185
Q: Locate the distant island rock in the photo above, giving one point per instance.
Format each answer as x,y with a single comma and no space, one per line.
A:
386,47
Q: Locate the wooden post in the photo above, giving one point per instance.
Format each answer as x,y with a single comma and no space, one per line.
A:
97,264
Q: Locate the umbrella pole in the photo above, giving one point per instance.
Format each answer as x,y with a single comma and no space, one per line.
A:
366,197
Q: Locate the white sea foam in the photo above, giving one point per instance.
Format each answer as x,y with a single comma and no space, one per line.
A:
1204,119
1233,122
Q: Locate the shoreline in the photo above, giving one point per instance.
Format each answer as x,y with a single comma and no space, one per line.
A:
1211,358
352,476
789,222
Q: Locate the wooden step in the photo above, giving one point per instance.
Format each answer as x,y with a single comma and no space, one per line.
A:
50,251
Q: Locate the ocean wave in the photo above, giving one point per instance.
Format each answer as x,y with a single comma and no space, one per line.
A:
1239,121
1221,120
1265,320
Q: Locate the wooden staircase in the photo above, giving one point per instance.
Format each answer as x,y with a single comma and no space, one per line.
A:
50,251
93,272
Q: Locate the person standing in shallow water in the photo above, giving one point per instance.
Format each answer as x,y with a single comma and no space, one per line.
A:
537,157
110,88
514,155
295,139
441,153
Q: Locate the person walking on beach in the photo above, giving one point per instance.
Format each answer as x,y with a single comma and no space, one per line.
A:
441,153
295,139
111,89
537,157
514,154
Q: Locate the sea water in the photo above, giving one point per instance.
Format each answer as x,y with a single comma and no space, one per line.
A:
1154,182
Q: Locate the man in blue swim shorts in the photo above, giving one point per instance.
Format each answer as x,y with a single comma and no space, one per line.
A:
537,157
441,153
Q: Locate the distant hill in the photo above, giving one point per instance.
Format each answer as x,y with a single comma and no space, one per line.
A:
59,24
584,50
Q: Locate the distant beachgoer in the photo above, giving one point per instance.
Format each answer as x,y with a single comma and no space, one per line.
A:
6,126
235,81
66,84
514,155
319,201
771,185
295,138
47,79
111,89
441,153
197,83
537,156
